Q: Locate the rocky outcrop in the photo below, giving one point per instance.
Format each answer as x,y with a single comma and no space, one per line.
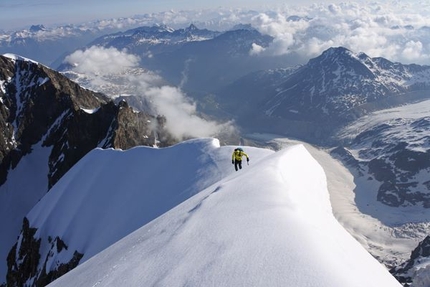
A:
417,262
24,260
41,105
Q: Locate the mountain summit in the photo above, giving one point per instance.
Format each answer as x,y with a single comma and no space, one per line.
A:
339,83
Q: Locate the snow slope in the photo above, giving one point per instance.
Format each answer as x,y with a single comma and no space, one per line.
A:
270,224
110,193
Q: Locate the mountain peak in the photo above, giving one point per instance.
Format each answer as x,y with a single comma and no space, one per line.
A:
243,27
192,27
338,52
36,28
334,57
340,84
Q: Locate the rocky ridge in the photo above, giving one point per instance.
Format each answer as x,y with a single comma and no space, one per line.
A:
40,107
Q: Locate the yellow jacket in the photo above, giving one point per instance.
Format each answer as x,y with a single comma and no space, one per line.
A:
238,154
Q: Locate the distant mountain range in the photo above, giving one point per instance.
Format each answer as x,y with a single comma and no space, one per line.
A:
49,45
198,60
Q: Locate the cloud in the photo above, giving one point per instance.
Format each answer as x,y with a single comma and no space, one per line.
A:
414,51
256,49
398,32
102,61
181,113
115,73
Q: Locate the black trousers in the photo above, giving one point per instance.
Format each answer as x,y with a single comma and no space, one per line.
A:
237,163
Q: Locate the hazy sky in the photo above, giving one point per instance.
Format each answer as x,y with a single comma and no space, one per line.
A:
16,14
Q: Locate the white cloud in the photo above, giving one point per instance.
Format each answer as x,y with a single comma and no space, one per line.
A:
333,8
398,32
182,118
102,61
413,50
256,49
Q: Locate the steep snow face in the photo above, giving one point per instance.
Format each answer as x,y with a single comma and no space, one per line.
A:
18,195
269,224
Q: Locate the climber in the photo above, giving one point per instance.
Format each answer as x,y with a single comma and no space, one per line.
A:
236,158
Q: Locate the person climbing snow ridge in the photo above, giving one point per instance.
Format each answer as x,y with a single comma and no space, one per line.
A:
236,158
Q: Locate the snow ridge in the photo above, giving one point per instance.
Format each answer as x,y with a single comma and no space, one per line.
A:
266,225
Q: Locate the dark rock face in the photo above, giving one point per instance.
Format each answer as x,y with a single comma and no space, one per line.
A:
24,259
345,156
39,106
421,253
27,254
35,98
397,171
6,72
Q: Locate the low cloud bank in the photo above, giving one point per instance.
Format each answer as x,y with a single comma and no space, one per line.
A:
397,32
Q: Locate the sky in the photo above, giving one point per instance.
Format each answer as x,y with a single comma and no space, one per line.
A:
23,13
208,225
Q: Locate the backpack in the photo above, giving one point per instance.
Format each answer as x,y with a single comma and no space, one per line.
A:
238,152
